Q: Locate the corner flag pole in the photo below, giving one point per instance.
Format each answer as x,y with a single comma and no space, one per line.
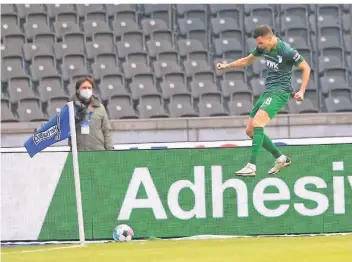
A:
76,173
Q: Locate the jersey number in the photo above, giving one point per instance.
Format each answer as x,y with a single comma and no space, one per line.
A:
267,101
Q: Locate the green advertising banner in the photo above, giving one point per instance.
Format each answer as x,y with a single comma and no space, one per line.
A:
186,192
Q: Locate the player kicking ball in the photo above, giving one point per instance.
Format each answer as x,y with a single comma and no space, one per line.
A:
280,57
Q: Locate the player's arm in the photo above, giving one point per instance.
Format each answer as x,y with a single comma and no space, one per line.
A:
299,62
242,62
305,75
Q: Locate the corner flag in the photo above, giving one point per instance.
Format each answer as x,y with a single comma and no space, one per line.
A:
56,130
59,128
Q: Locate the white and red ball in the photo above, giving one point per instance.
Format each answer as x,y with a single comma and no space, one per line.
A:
123,233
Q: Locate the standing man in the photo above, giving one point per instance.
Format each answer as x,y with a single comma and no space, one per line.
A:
280,57
92,124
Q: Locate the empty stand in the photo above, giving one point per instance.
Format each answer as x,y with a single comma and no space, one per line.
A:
153,60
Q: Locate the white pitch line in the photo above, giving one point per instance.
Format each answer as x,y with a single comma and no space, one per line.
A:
41,250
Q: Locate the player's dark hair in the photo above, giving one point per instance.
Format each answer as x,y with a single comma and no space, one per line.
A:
262,30
84,79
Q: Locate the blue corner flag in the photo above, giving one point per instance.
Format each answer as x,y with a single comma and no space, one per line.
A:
56,130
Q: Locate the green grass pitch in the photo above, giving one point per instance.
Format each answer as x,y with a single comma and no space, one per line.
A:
264,249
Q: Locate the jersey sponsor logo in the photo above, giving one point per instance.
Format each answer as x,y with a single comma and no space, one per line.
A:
272,65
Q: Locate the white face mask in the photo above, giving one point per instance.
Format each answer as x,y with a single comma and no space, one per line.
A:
86,93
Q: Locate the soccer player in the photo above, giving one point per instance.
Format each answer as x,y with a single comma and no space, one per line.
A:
280,57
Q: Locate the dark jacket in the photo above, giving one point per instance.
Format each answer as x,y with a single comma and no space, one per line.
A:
99,137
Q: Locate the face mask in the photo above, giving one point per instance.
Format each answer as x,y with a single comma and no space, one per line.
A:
86,94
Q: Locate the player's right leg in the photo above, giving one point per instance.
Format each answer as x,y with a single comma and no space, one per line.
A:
272,105
281,159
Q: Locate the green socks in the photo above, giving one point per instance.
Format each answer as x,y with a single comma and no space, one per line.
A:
270,146
257,143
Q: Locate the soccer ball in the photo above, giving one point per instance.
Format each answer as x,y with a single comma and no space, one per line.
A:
123,233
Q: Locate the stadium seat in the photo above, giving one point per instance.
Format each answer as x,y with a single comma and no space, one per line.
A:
330,62
35,27
168,56
7,9
12,66
84,9
56,9
330,36
228,11
12,45
6,112
298,37
181,105
104,37
228,47
24,10
337,88
98,48
186,46
156,47
239,107
90,27
121,107
32,50
211,104
104,64
302,107
51,87
163,35
238,91
124,11
196,66
67,17
293,17
258,16
151,106
121,26
30,110
42,65
158,11
111,85
67,48
259,67
150,25
142,84
223,24
192,11
172,84
55,104
162,68
200,87
257,7
44,38
73,64
61,28
193,28
135,66
124,48
20,87
338,104
258,86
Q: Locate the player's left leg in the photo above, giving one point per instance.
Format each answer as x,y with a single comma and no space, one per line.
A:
280,100
269,108
259,121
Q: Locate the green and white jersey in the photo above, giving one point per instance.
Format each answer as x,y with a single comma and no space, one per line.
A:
279,63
